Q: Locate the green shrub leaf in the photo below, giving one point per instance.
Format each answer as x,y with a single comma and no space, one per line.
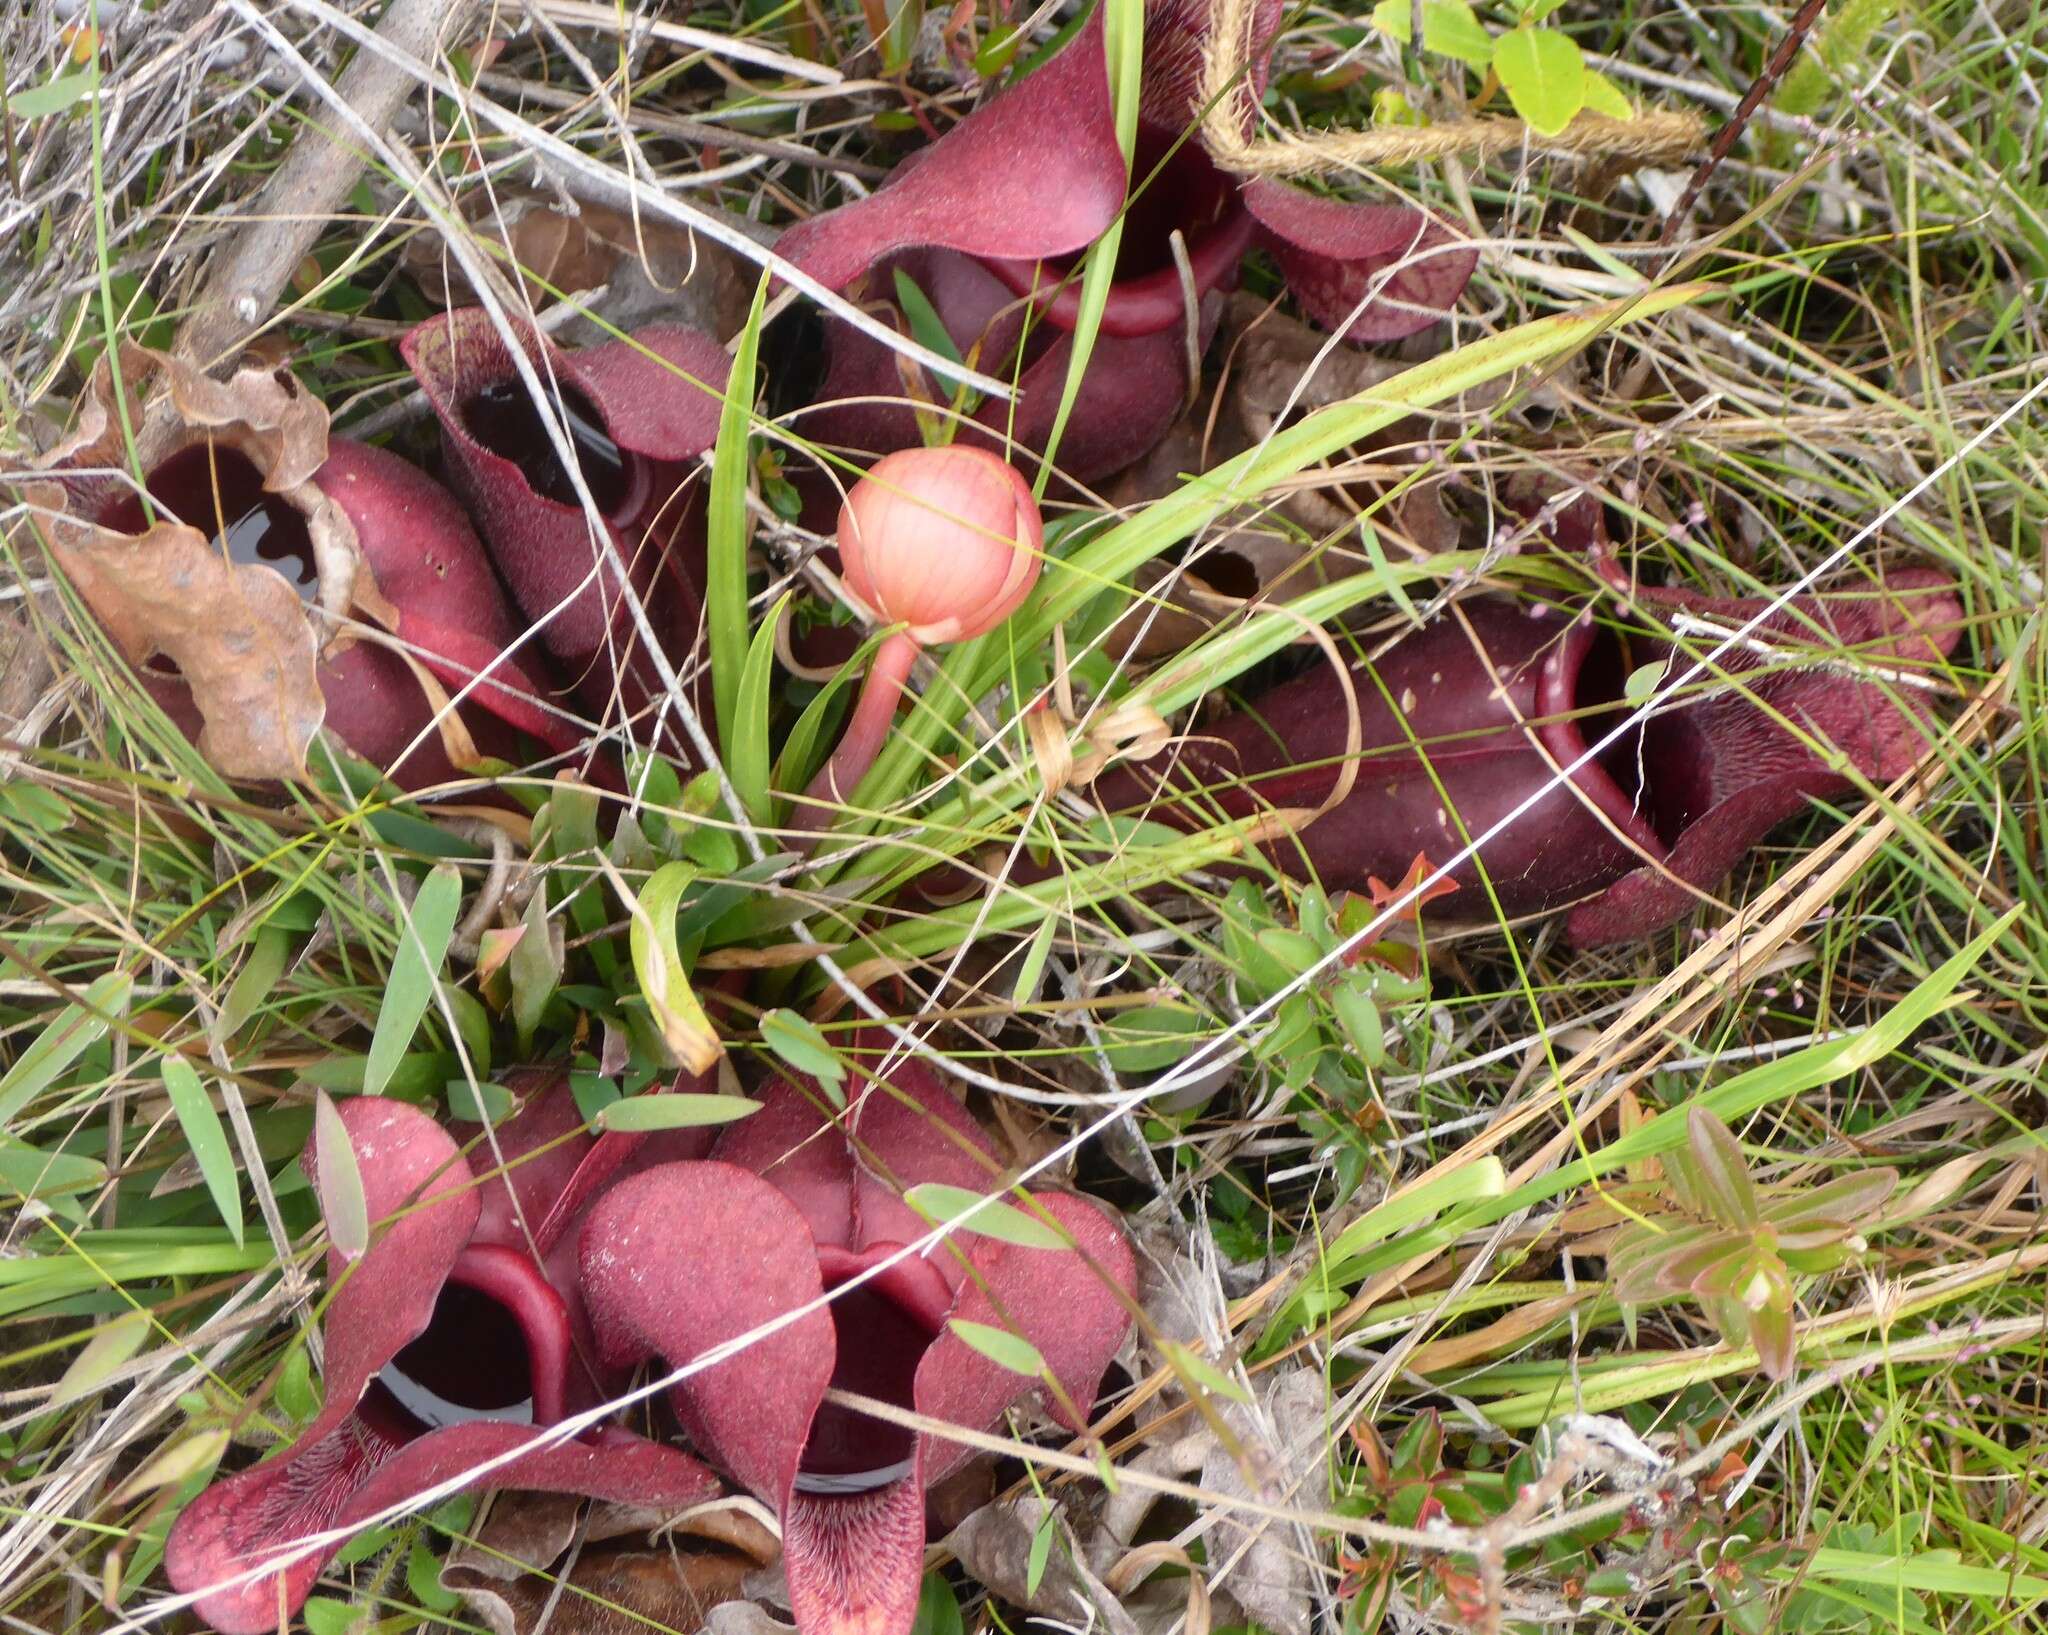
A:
1545,76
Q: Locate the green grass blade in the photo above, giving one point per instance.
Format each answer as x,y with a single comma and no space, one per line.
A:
1789,1076
207,1139
1108,559
1123,41
74,1030
746,748
1105,562
422,945
728,531
1212,662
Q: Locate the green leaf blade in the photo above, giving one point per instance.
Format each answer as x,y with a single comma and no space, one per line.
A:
990,1217
746,754
687,1110
339,1181
1544,74
796,1041
658,965
72,1032
53,96
207,1140
728,531
424,935
111,1345
1000,1346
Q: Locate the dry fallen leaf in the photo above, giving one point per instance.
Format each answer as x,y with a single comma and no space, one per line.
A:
1263,1565
624,1578
238,634
261,413
243,641
996,1546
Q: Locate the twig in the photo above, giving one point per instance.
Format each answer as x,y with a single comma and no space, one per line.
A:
1752,99
299,201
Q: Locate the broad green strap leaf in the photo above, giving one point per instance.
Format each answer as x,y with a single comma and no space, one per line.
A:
339,1181
30,1281
728,531
687,1111
664,983
1000,1346
746,751
1482,1178
802,754
941,1204
111,1345
422,945
207,1139
66,1037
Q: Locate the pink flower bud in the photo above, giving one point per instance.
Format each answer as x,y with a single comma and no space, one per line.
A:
944,541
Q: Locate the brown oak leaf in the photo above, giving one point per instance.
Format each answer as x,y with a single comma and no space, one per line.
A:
238,634
242,639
